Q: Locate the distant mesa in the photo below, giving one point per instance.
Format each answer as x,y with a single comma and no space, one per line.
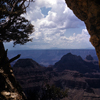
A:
89,57
23,63
67,62
70,57
74,62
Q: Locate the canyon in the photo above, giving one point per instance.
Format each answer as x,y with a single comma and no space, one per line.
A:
80,77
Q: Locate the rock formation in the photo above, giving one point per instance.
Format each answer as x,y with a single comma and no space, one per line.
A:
88,11
9,87
27,63
81,86
73,62
89,57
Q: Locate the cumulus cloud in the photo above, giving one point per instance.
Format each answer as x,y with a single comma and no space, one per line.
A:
77,41
50,29
60,16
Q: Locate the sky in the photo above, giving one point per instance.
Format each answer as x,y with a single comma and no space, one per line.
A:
56,27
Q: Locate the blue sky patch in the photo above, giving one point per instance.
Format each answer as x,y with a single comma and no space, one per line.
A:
45,10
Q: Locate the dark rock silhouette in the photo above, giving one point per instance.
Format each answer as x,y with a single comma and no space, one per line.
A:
80,82
89,57
73,62
27,63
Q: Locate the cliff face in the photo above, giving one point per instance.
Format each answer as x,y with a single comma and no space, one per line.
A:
82,86
88,11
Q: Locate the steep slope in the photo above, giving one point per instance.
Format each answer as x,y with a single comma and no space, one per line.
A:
73,62
27,71
23,63
81,86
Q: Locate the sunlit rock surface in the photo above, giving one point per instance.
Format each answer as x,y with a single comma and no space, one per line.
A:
89,12
9,87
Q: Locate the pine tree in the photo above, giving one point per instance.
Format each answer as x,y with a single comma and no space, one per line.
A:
14,27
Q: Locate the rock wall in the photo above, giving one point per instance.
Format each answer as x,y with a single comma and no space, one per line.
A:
89,12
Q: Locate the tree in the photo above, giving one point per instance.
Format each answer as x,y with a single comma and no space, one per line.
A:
14,27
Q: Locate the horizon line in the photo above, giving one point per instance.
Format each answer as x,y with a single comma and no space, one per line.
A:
54,49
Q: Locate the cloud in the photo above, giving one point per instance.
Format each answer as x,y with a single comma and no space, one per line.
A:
50,29
59,40
49,41
77,41
60,17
